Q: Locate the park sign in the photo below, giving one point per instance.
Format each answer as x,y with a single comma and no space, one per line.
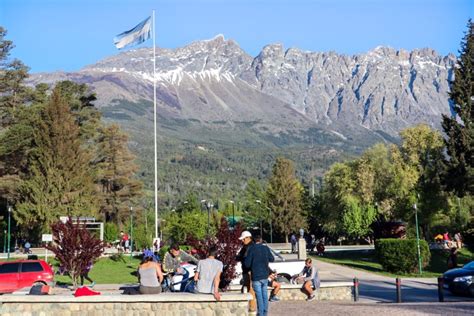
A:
47,237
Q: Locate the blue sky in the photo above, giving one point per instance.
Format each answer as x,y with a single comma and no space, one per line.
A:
69,34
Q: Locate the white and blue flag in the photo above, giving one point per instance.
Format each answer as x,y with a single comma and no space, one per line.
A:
135,36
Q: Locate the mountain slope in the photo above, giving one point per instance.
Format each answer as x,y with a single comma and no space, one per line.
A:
224,115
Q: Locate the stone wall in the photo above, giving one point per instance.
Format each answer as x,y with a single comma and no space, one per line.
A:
333,293
181,304
329,291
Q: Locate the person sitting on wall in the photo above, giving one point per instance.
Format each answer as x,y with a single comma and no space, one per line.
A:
274,285
172,263
150,275
208,275
310,278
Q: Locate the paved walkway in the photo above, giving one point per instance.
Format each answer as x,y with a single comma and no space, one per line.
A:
377,288
364,309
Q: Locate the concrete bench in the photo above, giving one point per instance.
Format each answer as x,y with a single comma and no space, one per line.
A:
328,291
185,304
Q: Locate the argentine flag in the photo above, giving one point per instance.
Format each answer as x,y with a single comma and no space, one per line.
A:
135,36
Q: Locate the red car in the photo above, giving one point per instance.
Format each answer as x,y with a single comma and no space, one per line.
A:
18,274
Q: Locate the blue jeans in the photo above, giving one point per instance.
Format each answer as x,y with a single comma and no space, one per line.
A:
184,281
260,288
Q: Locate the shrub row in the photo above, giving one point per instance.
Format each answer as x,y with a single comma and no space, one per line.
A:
401,255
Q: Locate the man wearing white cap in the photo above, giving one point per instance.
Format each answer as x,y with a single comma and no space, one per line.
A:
247,242
257,258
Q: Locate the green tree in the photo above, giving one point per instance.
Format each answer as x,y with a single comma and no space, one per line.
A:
422,149
13,92
459,128
254,204
284,197
115,171
338,183
191,203
59,178
357,217
111,232
182,226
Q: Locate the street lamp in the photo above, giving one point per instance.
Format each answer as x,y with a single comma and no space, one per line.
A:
131,231
4,241
417,238
233,213
208,205
271,222
8,242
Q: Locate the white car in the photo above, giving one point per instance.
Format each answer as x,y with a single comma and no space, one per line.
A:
284,268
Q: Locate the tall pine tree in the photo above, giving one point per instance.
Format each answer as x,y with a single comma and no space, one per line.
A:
59,180
459,174
284,197
13,73
115,175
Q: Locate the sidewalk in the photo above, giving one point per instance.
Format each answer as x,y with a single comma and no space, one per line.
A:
377,288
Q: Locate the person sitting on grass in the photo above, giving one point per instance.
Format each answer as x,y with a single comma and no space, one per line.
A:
149,275
274,285
310,278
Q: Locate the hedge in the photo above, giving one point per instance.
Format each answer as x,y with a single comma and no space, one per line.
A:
401,255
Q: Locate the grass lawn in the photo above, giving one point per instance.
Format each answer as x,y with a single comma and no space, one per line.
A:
366,260
107,271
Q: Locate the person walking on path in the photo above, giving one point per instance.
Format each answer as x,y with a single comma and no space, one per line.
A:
310,277
452,261
27,247
293,242
208,275
247,242
150,275
257,260
85,275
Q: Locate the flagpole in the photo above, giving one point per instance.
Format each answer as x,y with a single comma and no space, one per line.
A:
154,121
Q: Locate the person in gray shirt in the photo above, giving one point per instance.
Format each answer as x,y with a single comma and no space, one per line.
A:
208,275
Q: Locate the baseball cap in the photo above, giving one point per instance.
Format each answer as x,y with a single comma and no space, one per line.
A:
245,234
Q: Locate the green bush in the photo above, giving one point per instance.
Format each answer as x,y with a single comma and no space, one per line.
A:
110,232
401,255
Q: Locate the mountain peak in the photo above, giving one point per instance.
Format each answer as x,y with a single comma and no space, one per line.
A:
217,38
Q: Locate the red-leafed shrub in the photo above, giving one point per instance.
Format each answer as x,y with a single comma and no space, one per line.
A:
75,248
227,243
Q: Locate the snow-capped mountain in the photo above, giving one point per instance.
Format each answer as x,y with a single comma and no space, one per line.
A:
215,80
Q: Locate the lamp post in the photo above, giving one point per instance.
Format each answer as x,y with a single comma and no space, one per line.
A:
233,213
8,242
271,224
4,240
417,238
131,232
208,205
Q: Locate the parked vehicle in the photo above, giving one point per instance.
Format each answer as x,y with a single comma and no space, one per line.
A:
15,275
460,280
285,269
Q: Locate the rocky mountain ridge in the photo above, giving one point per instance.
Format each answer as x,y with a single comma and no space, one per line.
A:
215,80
